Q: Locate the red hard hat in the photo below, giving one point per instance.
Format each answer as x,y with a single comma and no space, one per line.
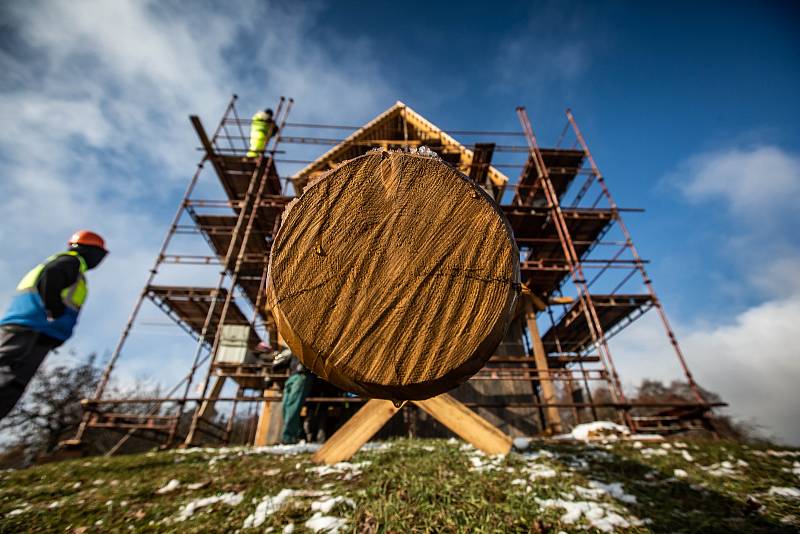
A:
85,237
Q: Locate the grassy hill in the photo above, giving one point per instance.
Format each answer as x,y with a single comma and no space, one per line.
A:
415,486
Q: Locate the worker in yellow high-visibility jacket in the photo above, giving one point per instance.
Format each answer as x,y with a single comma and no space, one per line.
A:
262,128
43,313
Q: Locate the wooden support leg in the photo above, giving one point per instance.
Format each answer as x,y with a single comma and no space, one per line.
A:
265,419
444,408
356,432
466,424
540,357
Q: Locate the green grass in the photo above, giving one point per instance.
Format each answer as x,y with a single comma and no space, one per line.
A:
415,486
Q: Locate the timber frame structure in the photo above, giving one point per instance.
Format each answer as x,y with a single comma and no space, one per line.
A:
584,282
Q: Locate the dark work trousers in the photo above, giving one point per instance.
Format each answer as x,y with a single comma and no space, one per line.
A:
22,351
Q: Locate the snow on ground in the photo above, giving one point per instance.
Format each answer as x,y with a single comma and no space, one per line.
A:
187,510
481,462
318,522
172,485
598,430
597,514
614,489
790,493
721,469
325,523
326,504
18,511
348,470
280,450
268,506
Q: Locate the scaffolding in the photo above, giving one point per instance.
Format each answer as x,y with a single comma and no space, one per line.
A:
585,282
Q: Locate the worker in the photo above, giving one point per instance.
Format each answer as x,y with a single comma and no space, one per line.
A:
262,128
43,313
295,391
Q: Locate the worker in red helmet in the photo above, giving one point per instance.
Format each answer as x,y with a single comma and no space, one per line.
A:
44,312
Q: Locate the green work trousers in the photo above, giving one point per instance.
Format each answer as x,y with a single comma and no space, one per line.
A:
295,392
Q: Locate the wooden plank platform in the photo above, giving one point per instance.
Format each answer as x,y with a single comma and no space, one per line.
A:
572,330
188,306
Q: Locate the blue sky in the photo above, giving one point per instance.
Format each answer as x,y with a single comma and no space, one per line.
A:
689,108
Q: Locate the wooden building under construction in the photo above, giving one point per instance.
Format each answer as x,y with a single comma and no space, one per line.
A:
584,279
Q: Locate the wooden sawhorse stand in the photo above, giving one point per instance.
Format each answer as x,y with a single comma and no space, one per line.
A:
375,413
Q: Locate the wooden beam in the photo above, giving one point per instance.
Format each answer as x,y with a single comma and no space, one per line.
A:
540,357
265,420
356,432
466,424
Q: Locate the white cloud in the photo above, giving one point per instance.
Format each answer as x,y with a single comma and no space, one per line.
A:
751,361
749,358
95,99
749,180
759,188
553,48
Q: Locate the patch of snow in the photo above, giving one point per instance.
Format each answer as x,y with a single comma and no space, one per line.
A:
522,443
229,452
742,463
326,504
653,452
613,489
666,446
597,516
186,511
288,529
519,482
346,469
783,454
637,444
54,504
377,446
18,511
269,505
686,456
539,471
481,462
198,485
680,445
325,523
536,455
789,493
724,469
171,486
680,473
76,485
599,430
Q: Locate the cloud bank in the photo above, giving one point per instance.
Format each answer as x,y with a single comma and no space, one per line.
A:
749,358
95,97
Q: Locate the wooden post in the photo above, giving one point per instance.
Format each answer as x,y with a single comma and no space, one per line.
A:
265,419
540,357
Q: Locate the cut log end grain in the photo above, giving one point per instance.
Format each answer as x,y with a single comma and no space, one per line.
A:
393,276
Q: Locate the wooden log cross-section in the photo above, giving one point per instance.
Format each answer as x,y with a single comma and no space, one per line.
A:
395,277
